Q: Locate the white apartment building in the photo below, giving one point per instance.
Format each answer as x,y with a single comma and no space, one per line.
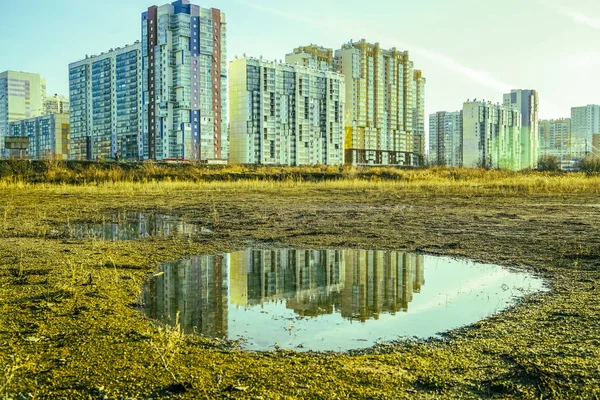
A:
105,105
445,138
527,102
585,122
21,97
491,136
285,114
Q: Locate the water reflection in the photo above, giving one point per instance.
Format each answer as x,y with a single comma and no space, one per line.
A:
327,299
360,284
194,291
136,226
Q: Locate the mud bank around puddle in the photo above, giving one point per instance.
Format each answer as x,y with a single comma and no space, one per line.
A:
69,327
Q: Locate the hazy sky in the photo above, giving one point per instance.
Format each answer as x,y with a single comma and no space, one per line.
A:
466,48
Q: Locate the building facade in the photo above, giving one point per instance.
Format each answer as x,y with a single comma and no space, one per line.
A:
313,56
48,136
527,102
585,122
21,97
555,138
105,105
380,105
491,136
419,113
184,58
285,114
385,101
56,104
445,139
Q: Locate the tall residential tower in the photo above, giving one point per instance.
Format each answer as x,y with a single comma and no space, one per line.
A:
585,123
184,57
491,136
385,97
21,97
105,100
527,102
555,138
445,138
285,114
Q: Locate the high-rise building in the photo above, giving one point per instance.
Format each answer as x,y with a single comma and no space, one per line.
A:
105,105
585,122
379,104
185,83
56,104
385,101
418,118
285,114
313,56
445,138
527,102
555,138
491,136
21,96
48,136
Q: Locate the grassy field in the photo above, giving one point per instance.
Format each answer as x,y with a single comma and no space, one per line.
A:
69,327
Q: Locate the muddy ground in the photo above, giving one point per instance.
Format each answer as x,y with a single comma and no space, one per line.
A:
69,327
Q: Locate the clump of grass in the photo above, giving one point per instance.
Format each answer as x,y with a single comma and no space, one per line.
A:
167,344
9,371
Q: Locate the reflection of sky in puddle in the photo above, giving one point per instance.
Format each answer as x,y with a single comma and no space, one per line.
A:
329,299
136,226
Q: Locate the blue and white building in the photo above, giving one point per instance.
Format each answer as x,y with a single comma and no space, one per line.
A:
184,61
106,97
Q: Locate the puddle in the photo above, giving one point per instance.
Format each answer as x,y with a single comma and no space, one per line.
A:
325,300
136,226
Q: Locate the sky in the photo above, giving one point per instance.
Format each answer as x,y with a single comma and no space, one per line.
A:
466,49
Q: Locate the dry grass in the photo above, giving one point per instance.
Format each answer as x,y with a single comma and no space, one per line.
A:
79,296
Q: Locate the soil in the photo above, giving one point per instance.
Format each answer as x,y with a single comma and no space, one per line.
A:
69,327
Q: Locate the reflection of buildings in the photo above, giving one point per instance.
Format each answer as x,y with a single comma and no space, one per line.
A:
196,288
129,227
380,282
307,280
360,284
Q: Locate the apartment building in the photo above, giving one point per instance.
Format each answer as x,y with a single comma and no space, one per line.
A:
527,102
379,104
445,138
105,105
56,104
585,122
285,114
491,136
313,56
21,97
184,61
418,119
385,97
555,138
47,136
